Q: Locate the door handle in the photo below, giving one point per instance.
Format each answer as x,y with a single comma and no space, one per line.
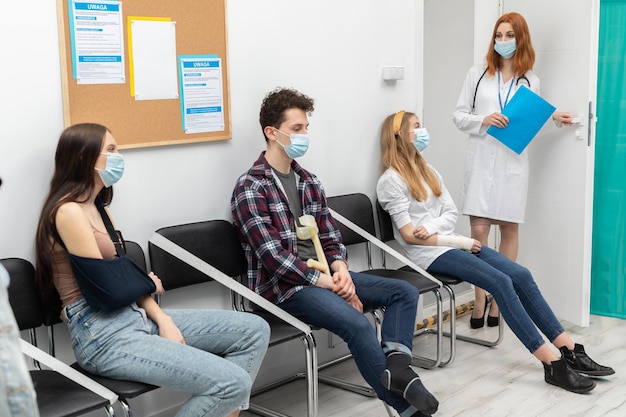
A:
579,122
591,120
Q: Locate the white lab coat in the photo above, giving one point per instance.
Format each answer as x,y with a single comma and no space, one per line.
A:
495,179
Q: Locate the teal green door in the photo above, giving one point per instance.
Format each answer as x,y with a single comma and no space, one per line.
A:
608,260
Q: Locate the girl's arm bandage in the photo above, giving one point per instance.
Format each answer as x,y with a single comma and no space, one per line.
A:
459,242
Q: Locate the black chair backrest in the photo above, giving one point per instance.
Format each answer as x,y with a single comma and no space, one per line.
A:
357,208
384,223
213,241
136,253
23,294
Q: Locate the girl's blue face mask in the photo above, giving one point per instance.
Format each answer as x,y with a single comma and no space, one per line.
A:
113,170
422,139
298,146
506,49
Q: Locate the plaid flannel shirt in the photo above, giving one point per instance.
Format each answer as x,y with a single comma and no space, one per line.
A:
266,229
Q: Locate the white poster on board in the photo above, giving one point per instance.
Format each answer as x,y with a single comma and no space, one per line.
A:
154,60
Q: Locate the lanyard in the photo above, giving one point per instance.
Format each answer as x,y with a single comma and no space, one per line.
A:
506,100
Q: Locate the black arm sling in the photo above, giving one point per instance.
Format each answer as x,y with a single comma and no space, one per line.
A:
110,284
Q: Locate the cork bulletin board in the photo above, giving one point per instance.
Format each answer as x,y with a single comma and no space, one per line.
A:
200,29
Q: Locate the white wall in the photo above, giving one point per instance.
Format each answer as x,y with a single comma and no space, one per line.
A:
452,44
330,50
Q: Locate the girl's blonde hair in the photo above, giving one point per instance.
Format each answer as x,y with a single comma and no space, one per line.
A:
400,155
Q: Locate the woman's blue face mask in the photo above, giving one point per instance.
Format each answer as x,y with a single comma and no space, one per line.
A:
422,139
113,170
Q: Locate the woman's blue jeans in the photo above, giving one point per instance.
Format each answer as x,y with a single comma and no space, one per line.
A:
323,308
520,301
17,395
217,364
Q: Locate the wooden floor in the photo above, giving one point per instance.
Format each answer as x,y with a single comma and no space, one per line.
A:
502,381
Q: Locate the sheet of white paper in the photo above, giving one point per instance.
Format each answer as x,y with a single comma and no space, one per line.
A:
154,60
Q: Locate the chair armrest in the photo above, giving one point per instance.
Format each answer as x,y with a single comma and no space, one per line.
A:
67,371
388,249
208,269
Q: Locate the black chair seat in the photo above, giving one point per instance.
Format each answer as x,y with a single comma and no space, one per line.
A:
58,396
445,279
280,331
124,389
420,282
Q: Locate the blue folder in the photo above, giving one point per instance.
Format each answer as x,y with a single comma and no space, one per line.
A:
527,113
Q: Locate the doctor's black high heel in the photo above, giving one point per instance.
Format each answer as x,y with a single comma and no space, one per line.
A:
478,323
493,321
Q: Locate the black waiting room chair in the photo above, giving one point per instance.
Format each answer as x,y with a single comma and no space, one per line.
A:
60,393
214,249
386,235
357,208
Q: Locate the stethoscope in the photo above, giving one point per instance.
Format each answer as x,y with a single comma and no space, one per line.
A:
523,77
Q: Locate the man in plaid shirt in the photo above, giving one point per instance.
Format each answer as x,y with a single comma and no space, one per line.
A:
266,203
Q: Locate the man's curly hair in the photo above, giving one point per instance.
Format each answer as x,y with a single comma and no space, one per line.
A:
277,102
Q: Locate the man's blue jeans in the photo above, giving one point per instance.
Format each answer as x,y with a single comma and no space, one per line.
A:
323,308
520,301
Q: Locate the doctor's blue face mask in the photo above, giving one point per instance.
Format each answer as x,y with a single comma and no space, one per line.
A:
506,49
298,146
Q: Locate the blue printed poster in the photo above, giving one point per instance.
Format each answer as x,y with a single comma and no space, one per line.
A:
96,37
202,99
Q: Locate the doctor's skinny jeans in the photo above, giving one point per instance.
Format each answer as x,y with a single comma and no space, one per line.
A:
513,287
217,364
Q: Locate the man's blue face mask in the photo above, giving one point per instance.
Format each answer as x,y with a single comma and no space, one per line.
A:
298,146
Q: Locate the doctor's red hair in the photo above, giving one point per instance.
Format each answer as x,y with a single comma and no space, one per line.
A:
524,57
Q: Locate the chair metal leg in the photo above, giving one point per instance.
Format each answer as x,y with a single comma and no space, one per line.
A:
311,375
366,391
348,386
452,334
378,323
471,339
125,408
428,363
109,410
265,412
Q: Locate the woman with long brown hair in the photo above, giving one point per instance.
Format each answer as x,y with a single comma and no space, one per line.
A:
495,181
424,218
214,355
